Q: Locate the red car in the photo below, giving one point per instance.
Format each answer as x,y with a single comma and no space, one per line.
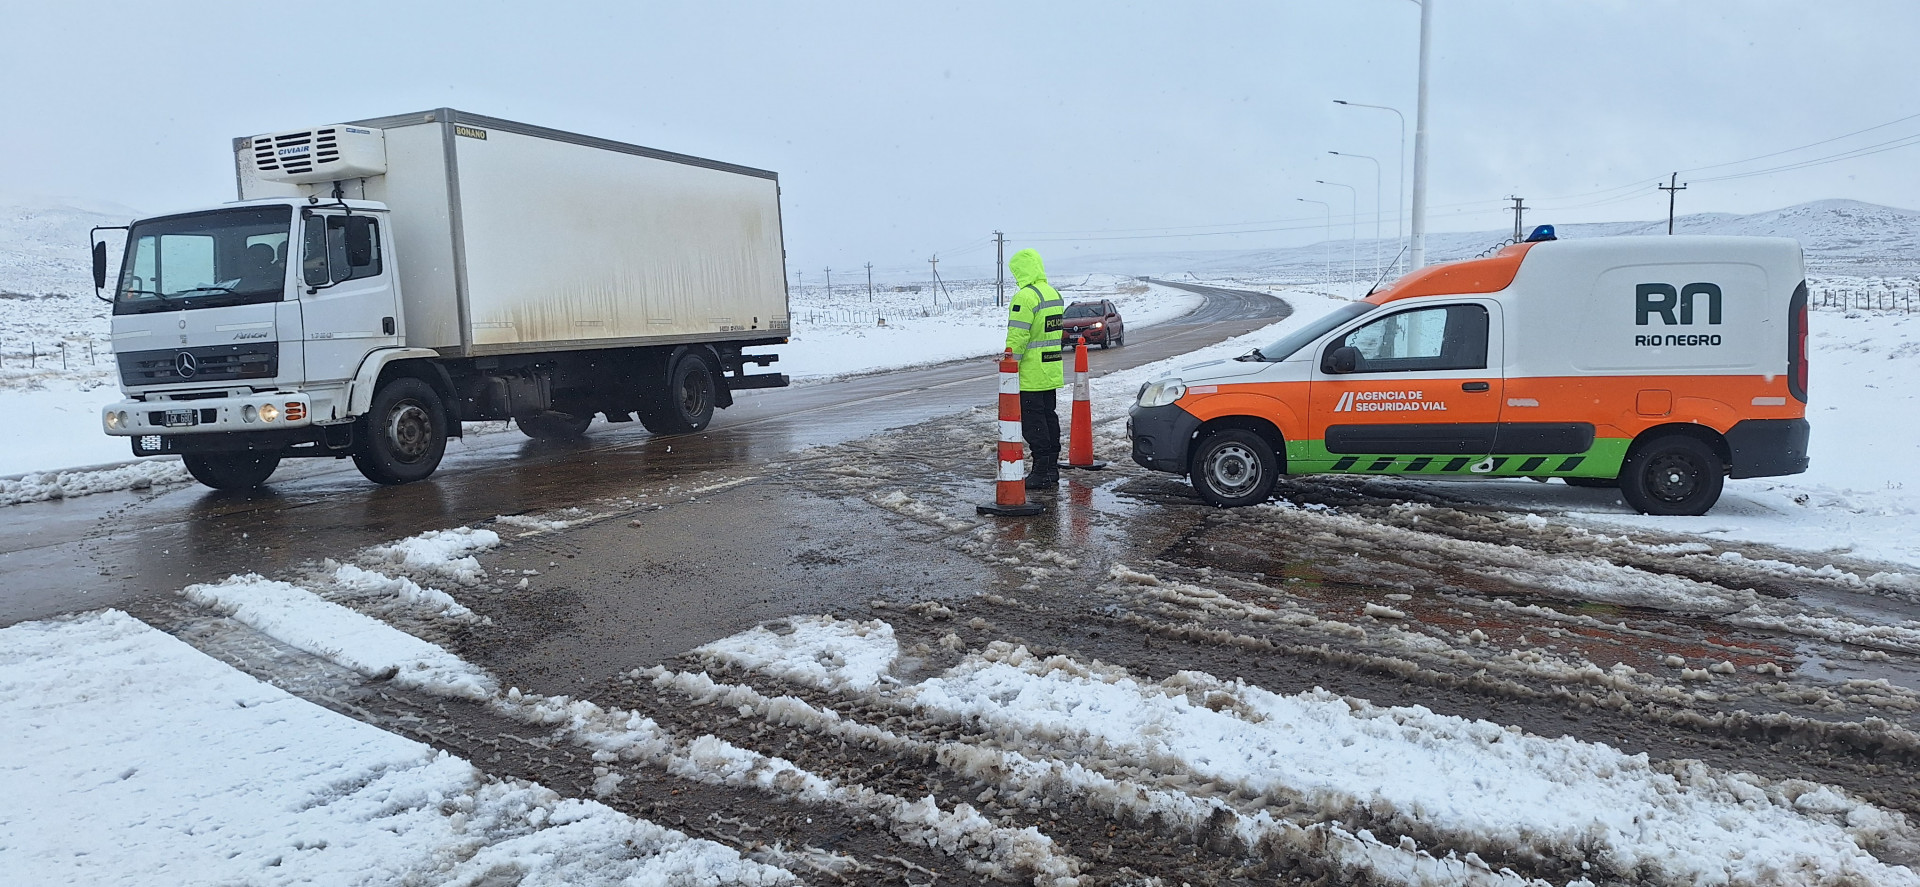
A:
1097,322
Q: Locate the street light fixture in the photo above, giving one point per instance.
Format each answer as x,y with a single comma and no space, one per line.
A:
1417,242
1376,205
1326,242
1353,238
1399,172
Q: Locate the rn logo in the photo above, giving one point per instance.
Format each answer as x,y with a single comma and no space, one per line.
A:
1675,307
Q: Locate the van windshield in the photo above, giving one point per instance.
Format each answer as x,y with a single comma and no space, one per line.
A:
204,260
1305,335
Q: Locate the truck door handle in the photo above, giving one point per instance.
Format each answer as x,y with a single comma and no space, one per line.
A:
1474,386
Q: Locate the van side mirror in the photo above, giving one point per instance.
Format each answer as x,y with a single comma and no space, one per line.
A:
1341,360
100,265
359,241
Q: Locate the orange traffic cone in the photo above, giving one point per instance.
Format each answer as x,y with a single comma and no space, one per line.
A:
1080,430
1010,491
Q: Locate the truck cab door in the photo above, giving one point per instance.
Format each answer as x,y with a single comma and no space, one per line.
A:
1411,391
349,304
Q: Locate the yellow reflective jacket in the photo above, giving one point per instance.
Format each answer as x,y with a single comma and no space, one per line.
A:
1033,324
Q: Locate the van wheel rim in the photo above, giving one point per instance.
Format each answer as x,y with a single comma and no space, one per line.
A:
1233,470
410,431
1672,478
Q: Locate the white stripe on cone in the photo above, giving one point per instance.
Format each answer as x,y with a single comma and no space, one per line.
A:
1009,383
1010,432
1012,471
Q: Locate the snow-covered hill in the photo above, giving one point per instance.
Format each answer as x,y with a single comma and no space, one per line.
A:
43,246
1841,237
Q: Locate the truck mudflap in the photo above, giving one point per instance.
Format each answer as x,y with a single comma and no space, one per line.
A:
1768,447
1162,436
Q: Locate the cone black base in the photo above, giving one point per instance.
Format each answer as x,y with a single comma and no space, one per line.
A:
1025,510
1098,465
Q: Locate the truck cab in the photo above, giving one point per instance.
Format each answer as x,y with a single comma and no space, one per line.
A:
1660,365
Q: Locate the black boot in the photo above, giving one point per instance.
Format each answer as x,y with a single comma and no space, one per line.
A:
1045,476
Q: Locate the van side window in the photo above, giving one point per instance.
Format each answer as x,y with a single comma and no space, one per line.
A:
1451,337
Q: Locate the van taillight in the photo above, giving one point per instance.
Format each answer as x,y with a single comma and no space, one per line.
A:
1797,344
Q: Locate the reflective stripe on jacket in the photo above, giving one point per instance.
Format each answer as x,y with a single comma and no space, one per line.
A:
1033,324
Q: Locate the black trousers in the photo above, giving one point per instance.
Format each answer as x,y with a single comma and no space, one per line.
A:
1040,425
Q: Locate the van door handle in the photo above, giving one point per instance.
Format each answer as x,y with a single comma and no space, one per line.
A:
1474,386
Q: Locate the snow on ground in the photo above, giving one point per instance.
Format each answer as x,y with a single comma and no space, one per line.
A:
153,763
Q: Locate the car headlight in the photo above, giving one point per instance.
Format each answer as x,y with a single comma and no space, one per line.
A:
1161,393
1099,326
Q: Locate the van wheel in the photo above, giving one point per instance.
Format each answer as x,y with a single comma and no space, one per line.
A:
1232,468
1597,483
231,471
405,433
1676,474
686,403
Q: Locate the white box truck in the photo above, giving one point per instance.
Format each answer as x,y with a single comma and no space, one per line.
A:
380,282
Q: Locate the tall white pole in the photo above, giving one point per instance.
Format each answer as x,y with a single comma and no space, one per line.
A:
1419,247
1376,206
1399,175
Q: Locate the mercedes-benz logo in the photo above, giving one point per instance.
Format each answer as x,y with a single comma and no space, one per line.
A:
185,365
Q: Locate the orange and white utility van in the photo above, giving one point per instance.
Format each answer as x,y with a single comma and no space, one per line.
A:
1660,364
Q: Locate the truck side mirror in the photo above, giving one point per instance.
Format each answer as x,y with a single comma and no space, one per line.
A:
359,241
1341,360
100,265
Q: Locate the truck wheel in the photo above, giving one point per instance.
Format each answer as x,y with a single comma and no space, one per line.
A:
686,403
554,426
1232,468
1675,474
406,433
231,471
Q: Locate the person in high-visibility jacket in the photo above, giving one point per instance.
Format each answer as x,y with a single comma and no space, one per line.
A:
1033,335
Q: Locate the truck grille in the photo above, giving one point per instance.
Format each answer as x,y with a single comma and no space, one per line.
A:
272,154
208,363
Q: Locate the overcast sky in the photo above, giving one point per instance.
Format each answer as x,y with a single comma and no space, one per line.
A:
904,129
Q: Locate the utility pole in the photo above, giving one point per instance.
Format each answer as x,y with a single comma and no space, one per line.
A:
869,281
999,268
800,283
935,262
1519,207
1418,252
1671,193
829,284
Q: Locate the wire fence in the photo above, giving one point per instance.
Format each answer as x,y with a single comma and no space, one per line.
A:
1885,298
66,354
880,314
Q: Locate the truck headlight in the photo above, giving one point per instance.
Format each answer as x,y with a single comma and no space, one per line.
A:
269,412
247,413
1161,393
117,420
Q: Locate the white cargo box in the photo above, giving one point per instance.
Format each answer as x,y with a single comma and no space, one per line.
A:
516,238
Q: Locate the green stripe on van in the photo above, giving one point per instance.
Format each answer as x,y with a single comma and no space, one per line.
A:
1603,459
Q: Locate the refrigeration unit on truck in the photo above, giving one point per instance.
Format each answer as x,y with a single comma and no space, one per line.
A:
380,282
1656,365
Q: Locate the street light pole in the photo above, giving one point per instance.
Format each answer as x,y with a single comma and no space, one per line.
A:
1326,242
1376,206
1353,236
1419,248
1399,172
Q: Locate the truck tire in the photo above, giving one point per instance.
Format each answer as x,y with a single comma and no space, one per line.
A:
1233,468
555,426
685,404
1673,474
231,471
405,433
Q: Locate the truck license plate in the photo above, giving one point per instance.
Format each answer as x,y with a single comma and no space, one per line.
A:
182,417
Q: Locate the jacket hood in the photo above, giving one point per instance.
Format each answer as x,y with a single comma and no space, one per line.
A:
1026,268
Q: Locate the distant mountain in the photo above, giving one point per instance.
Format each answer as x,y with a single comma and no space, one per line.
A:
43,246
1843,237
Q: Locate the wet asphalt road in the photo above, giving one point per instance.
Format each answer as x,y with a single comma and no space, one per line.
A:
109,549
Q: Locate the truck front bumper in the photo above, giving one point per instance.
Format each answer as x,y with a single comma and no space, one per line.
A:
1161,436
261,412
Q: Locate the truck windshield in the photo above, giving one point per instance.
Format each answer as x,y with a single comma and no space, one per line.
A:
205,260
1305,335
